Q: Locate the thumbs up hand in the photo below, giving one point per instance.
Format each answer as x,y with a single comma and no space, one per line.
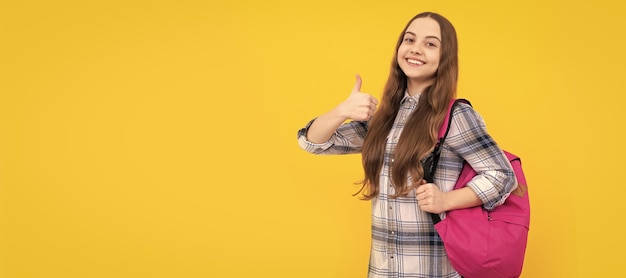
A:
358,106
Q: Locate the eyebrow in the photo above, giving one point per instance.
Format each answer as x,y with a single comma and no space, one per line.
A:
427,37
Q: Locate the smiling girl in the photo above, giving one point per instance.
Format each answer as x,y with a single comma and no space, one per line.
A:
399,136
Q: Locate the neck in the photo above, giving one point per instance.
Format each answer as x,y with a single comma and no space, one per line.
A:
416,88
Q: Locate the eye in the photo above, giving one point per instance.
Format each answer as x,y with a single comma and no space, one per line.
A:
430,44
409,40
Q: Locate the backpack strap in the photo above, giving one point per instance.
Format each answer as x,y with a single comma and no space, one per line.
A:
445,126
443,133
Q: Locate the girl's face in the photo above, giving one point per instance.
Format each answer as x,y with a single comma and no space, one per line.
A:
420,51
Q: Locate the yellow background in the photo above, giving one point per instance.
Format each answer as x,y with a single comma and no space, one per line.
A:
158,138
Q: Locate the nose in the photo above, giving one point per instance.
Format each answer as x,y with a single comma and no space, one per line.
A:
416,49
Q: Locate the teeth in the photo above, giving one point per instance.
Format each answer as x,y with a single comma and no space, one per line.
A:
415,62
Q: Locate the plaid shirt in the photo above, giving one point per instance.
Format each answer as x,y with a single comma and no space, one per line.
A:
404,241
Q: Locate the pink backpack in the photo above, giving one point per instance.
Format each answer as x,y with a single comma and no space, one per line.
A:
481,243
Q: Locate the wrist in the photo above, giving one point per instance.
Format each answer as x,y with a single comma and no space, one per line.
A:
448,201
339,113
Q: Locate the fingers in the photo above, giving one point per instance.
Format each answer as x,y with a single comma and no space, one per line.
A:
359,106
424,197
430,198
423,187
372,101
425,191
357,84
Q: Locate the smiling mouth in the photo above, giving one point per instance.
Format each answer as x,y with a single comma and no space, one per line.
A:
415,62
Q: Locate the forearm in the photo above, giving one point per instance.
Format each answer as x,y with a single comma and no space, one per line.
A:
461,198
324,126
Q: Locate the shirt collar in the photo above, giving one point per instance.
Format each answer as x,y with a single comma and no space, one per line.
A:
407,96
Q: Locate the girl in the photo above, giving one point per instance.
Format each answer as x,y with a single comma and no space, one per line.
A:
394,141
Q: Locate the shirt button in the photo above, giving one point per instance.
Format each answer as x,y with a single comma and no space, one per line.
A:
393,233
390,207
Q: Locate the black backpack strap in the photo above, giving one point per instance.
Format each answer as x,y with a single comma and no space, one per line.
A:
443,133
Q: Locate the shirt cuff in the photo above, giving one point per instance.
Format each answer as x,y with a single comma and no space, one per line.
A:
314,148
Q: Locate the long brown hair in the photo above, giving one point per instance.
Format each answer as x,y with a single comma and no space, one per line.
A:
420,132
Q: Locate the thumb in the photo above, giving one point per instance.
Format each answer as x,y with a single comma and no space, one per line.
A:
357,84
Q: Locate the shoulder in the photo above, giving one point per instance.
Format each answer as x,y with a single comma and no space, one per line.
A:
465,116
463,107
